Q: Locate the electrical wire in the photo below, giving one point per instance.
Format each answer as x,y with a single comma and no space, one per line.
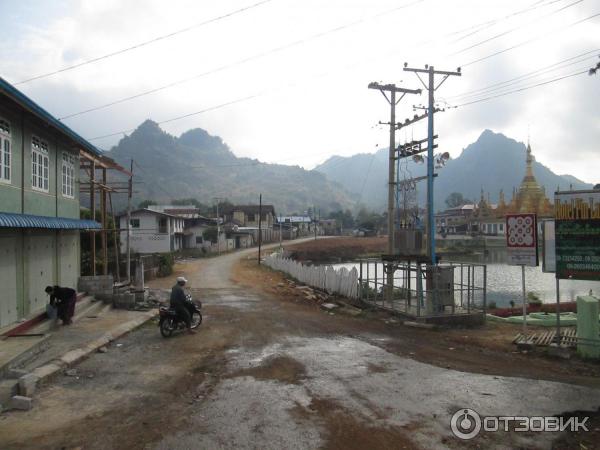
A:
240,61
533,74
559,29
504,33
523,89
143,44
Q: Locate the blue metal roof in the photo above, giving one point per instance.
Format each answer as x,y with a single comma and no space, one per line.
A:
12,220
36,109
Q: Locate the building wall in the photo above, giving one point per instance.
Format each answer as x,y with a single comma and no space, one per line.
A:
18,196
32,259
146,239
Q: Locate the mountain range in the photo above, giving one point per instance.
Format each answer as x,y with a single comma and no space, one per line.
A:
492,163
201,166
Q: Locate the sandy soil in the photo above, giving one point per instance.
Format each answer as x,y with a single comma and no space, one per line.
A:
271,370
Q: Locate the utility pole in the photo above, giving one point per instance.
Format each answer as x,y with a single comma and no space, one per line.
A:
259,225
129,194
431,88
217,200
393,90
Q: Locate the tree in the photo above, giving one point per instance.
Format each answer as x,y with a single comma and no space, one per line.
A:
455,200
210,234
145,203
343,218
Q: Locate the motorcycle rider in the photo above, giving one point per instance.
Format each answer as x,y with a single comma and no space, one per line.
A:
178,302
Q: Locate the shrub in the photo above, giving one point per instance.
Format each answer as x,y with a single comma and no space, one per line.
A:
533,298
165,264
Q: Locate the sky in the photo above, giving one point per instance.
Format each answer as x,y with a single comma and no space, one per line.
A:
286,81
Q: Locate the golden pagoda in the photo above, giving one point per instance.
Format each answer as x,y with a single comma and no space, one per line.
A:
531,197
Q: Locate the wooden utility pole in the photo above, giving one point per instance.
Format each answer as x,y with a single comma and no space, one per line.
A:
103,207
259,225
93,210
431,88
129,194
115,240
392,89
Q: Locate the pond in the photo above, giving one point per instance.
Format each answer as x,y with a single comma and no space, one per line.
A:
504,281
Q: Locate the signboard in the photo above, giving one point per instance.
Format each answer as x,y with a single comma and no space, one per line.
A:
521,240
577,218
549,244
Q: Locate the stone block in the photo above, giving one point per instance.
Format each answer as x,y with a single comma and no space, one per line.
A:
21,402
8,389
16,373
28,384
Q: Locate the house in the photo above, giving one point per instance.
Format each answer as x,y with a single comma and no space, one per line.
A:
152,232
246,218
455,220
302,224
195,224
39,204
329,227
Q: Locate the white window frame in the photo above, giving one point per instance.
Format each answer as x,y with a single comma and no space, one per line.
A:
40,165
68,175
5,152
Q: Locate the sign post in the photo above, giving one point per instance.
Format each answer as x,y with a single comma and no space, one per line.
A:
521,243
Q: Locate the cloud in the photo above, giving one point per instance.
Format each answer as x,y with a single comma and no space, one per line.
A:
313,97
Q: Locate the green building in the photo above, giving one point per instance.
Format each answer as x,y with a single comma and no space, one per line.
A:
39,204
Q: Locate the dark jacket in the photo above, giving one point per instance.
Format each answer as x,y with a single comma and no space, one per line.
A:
177,296
61,295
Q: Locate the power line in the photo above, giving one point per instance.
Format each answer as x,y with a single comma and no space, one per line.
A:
143,44
240,61
530,40
550,68
490,23
522,89
504,33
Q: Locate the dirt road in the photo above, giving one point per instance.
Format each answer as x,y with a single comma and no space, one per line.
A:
267,372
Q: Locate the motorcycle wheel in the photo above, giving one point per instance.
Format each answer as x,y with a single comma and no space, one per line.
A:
196,320
166,327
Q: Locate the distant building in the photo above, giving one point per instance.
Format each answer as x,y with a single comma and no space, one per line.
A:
302,225
152,232
487,218
245,218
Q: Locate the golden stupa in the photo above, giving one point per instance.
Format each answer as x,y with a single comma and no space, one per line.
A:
531,197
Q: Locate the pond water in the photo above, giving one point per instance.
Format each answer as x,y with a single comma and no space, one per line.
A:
504,281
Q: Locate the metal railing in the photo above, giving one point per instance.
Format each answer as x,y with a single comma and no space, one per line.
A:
421,290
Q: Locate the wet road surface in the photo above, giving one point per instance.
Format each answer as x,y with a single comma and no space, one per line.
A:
268,374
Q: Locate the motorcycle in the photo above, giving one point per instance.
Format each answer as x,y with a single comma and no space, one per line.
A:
170,321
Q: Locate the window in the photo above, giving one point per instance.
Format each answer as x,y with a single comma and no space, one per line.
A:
162,225
5,156
68,175
135,223
250,217
198,239
39,164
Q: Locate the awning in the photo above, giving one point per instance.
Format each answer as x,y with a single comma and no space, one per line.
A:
12,220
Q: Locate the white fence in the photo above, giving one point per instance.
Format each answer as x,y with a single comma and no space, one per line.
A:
342,281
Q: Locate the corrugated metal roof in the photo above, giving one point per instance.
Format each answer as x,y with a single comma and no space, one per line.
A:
12,220
36,109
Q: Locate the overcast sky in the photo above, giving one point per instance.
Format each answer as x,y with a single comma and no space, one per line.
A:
309,63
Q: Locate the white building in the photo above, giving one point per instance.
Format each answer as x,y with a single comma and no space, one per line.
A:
152,232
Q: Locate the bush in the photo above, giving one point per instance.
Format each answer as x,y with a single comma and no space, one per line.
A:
492,305
165,264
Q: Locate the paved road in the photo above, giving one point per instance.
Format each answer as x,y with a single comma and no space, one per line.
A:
266,373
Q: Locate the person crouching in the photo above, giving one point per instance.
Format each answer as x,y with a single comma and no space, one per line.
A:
63,299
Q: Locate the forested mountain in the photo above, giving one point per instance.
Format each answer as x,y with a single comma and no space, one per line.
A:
491,163
200,166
